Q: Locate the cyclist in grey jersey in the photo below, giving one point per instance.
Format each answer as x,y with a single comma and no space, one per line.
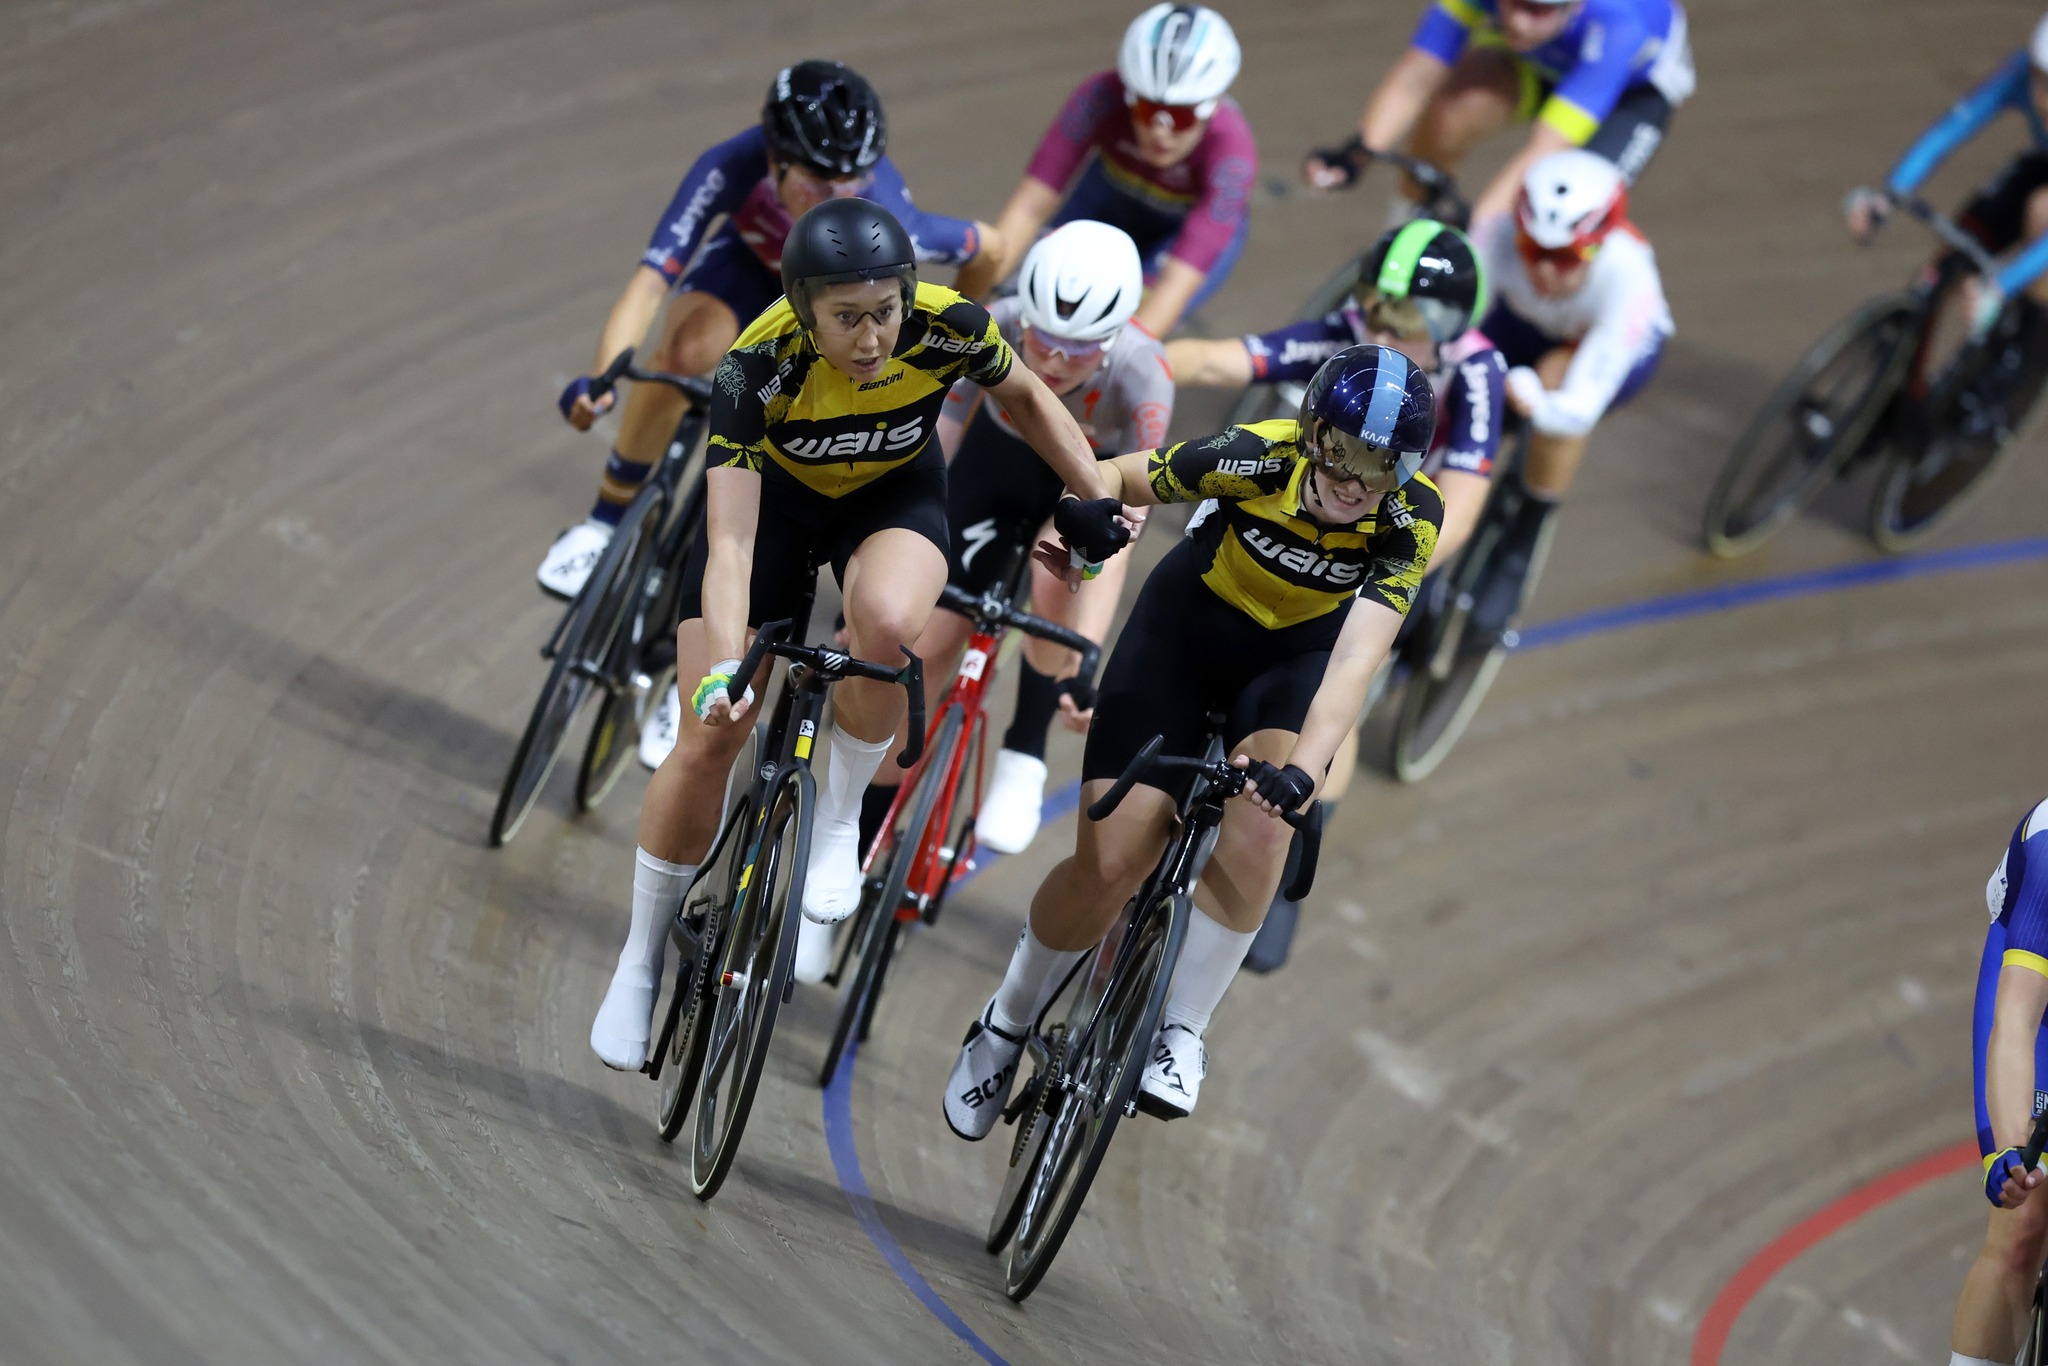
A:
1070,322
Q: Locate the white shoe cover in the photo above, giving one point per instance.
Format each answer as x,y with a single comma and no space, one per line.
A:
1010,809
619,1033
658,731
571,558
832,883
813,951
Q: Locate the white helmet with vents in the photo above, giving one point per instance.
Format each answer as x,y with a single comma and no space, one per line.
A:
1571,199
1082,282
2038,48
1178,54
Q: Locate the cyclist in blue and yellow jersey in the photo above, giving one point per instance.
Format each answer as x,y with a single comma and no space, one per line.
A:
1604,75
1275,609
821,452
2011,1049
1156,147
822,135
2013,207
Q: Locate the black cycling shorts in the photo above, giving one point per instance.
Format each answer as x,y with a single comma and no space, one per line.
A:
801,530
1997,213
999,493
1632,131
1185,653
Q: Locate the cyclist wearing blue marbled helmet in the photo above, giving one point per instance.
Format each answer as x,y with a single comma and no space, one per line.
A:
1275,610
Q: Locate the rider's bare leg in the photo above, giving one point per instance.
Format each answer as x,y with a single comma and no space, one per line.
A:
680,812
1553,461
1081,897
1998,1290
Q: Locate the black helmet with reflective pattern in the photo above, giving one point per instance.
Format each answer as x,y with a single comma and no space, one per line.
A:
842,241
824,117
1432,265
1369,414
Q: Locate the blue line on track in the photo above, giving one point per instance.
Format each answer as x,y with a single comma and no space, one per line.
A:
1671,607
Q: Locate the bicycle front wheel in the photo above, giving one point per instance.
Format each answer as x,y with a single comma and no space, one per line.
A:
903,846
754,958
1815,421
1100,1078
580,657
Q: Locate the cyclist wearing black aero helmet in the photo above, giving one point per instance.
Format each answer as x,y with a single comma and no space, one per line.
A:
821,451
822,135
1276,610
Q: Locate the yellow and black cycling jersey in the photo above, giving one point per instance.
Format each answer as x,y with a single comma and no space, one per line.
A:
777,404
1265,555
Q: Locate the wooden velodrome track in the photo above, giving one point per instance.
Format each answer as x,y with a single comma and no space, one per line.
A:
1676,950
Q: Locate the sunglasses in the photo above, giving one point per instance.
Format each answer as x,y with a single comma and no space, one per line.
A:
1557,258
1059,346
1179,117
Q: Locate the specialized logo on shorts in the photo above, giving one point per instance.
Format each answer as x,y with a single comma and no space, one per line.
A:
1302,560
978,538
883,440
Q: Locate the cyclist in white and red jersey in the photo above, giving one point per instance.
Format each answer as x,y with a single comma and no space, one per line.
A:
822,136
1580,319
1154,147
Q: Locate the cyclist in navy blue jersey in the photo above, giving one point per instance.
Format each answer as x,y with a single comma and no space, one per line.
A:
2010,1046
822,136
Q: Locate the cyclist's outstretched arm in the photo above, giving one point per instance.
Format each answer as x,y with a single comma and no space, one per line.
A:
732,502
1360,649
1031,204
1205,362
2009,1080
2005,88
631,316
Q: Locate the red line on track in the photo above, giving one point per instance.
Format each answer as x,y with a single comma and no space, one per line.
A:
1781,1251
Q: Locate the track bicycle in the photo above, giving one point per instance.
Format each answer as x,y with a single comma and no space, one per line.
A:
1087,1064
912,863
617,637
736,929
1886,382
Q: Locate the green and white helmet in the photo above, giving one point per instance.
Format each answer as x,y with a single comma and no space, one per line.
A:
1423,277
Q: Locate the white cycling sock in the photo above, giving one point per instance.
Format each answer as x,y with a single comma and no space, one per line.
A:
1034,974
658,888
1208,960
1958,1359
854,762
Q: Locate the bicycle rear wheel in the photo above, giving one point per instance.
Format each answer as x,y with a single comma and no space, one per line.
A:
582,651
1101,1079
754,960
1972,417
1811,425
882,892
708,903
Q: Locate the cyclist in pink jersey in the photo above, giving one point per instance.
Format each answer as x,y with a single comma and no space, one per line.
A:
1155,148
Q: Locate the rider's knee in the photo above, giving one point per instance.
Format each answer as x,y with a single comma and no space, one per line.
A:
1115,865
882,628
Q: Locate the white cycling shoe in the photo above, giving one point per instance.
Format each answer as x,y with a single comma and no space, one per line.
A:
1173,1079
1010,810
832,882
624,1022
813,952
658,731
571,558
982,1077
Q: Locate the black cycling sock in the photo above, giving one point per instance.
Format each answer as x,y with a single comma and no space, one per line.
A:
874,809
1038,697
1507,579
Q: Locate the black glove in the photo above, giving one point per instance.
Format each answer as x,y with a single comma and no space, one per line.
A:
1286,788
1350,160
1091,527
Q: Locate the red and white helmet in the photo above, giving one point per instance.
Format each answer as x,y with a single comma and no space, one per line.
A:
1571,200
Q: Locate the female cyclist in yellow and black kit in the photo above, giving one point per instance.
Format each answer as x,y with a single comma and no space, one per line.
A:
1275,610
821,452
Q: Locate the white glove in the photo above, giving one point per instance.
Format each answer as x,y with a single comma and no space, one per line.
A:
1525,387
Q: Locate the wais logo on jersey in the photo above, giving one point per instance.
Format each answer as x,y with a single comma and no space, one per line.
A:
1305,565
879,442
1248,467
